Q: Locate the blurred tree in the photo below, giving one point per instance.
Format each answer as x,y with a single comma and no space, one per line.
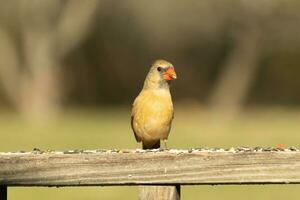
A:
238,73
254,26
44,33
226,53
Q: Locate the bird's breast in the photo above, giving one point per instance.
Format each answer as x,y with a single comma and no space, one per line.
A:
153,114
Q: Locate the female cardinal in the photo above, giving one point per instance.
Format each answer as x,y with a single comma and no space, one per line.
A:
152,111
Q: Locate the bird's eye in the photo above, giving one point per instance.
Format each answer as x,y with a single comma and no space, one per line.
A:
159,69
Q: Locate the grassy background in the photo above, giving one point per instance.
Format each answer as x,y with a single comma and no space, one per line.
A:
192,127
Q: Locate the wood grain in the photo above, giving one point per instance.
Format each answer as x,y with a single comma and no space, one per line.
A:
149,168
159,192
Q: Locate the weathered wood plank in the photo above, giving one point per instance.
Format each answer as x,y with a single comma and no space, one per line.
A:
159,192
149,168
3,192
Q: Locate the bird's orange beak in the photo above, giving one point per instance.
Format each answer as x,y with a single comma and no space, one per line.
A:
170,74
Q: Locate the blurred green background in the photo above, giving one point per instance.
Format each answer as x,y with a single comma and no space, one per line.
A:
69,71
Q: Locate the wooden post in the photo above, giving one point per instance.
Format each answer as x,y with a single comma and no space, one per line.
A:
3,192
159,192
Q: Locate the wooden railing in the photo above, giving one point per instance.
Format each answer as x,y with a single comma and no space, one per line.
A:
159,172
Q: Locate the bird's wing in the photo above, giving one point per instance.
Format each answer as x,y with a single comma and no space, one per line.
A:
137,138
135,135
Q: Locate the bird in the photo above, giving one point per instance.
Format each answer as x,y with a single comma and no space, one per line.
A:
152,110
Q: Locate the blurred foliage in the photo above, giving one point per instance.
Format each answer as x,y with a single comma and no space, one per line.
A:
108,63
197,37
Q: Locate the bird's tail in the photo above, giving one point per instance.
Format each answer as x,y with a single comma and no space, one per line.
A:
151,145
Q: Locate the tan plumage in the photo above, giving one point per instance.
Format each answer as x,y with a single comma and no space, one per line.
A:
152,111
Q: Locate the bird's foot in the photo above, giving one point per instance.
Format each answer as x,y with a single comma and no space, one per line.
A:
165,145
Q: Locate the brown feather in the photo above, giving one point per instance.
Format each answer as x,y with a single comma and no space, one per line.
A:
152,145
135,135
